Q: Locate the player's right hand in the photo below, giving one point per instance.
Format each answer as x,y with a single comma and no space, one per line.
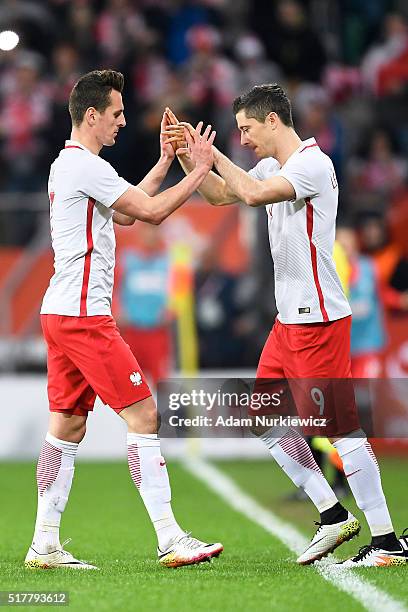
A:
200,146
175,133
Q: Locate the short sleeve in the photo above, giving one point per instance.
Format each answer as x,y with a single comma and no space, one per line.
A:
101,182
256,171
265,168
302,175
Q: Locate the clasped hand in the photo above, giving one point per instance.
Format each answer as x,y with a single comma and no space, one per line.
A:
187,140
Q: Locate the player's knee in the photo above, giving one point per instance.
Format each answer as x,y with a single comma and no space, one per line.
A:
258,430
142,417
150,417
70,428
82,432
75,432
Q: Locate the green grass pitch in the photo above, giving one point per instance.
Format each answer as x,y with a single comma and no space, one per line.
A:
109,527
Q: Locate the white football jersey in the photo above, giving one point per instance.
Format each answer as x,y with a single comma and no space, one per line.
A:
82,187
301,237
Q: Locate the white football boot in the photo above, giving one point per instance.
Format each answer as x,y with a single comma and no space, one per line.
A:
185,550
373,556
404,542
55,558
328,537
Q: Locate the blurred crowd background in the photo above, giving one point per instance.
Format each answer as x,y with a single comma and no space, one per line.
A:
344,64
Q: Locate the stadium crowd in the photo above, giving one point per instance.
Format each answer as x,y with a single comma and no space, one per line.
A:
344,66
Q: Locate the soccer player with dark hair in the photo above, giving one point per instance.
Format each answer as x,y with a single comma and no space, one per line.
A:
310,340
86,353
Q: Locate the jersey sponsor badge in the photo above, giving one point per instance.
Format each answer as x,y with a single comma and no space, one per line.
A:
304,310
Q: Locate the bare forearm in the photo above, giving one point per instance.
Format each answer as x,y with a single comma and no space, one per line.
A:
154,209
251,190
154,178
213,188
239,181
168,201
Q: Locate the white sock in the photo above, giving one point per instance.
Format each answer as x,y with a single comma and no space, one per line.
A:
149,473
55,471
295,458
363,475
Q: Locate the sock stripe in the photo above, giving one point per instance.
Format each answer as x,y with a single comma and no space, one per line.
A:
297,448
49,464
134,464
371,453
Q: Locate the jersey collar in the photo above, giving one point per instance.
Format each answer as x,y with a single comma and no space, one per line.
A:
74,144
307,144
304,145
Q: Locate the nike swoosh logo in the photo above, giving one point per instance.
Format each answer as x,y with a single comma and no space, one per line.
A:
164,463
314,543
165,554
352,473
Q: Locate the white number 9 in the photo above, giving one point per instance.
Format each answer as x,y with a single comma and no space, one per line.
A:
318,398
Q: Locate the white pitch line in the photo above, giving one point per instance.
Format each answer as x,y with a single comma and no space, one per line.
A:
368,595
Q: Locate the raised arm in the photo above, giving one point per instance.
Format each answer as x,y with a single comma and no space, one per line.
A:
154,209
154,178
213,189
234,184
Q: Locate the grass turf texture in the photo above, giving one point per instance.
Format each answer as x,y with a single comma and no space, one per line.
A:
109,527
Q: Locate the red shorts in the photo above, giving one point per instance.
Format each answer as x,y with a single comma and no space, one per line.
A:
87,357
309,366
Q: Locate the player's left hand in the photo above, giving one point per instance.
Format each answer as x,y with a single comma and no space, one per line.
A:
200,146
167,148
